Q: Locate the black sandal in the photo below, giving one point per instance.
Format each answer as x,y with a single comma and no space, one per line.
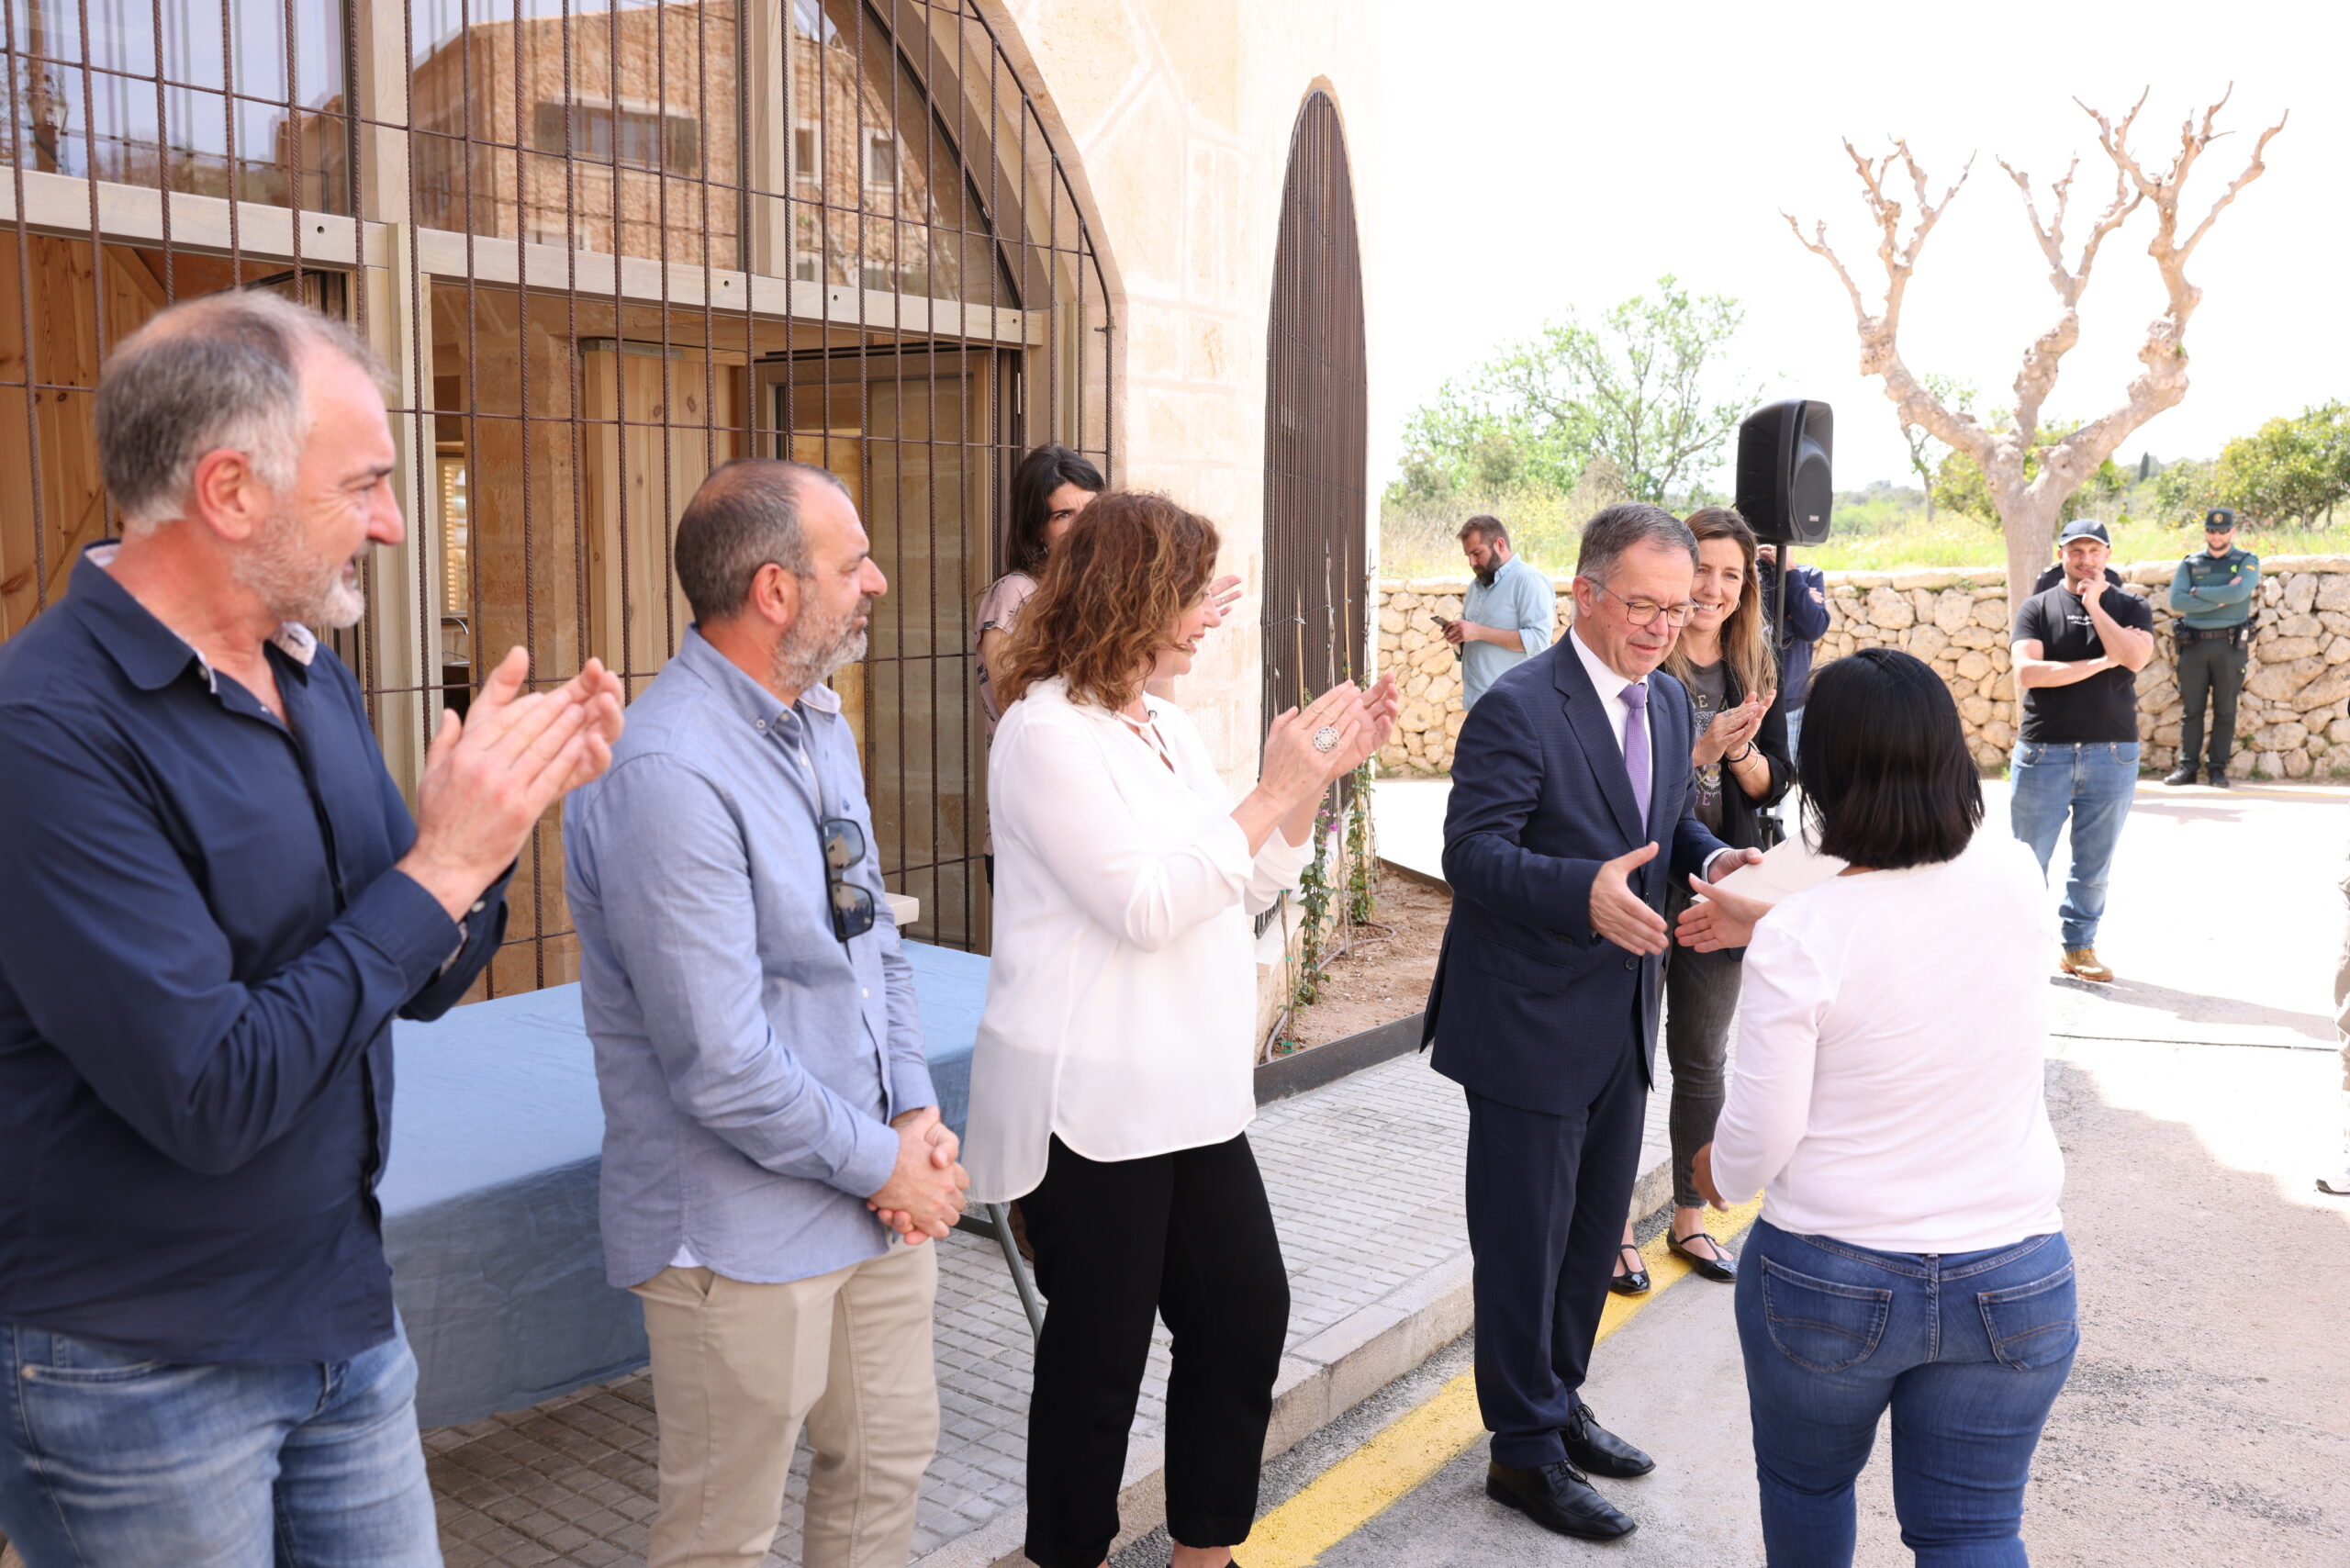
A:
1722,1267
1633,1281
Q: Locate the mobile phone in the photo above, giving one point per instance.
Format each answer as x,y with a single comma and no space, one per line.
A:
1440,620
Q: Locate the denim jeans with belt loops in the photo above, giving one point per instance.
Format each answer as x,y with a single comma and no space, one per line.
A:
1968,1348
2091,781
110,1460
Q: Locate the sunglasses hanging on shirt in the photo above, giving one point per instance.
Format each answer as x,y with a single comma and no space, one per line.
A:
852,905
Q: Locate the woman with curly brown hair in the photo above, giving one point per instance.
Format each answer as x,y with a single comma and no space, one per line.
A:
1111,1087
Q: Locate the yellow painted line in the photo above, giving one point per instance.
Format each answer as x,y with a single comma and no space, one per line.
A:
1429,1435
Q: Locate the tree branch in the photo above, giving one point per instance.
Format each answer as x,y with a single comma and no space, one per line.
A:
2163,383
1880,329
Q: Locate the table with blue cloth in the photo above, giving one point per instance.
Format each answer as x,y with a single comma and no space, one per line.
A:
489,1201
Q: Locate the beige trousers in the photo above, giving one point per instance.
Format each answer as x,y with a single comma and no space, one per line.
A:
738,1367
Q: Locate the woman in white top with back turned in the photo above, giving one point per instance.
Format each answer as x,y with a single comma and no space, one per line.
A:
1112,1082
1889,1101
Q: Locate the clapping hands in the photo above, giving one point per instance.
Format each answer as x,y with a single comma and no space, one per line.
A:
1732,728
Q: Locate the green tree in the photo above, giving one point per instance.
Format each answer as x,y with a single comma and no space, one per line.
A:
1633,393
2187,489
2289,470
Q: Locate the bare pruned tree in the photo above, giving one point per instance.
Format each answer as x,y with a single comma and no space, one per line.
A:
2028,507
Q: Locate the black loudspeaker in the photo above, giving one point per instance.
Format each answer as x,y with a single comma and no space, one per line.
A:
1784,486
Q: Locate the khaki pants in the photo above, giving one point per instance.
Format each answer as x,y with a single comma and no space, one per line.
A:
737,1368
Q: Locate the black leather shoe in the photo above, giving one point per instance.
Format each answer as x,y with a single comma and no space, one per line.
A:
2217,778
1558,1498
1592,1447
2183,774
1716,1263
1633,1281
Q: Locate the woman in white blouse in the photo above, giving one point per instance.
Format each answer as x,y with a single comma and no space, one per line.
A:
1112,1081
1888,1102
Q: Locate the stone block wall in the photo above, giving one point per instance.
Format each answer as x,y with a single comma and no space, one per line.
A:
2293,721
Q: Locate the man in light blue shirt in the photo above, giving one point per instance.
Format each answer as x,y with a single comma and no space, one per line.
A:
1506,617
769,1119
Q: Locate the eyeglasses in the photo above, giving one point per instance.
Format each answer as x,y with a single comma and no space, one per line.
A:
852,905
1643,611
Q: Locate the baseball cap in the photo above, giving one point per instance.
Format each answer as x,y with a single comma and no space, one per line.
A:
2084,528
2219,520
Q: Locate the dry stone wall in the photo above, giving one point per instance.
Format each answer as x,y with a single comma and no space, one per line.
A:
2292,722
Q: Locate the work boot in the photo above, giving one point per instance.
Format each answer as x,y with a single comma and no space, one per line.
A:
2183,774
2081,964
2218,778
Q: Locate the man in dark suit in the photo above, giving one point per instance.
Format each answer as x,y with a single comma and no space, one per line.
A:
1572,800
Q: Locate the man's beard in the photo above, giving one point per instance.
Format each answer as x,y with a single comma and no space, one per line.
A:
277,566
1485,574
812,650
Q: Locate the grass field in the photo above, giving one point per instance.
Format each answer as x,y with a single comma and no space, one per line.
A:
1878,530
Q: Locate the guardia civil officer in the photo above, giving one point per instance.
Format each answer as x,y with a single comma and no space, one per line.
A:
2214,592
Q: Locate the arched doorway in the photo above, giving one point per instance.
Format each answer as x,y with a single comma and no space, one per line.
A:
1316,424
606,245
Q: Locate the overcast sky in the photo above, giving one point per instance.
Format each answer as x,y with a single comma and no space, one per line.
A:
1533,157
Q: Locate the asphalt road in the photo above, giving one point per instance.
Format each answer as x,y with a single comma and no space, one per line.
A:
2207,1422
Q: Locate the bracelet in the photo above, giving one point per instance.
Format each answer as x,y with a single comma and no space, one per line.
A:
1746,752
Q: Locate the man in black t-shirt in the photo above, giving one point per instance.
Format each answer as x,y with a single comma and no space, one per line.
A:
2078,648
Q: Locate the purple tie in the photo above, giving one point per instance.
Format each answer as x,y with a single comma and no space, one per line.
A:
1636,747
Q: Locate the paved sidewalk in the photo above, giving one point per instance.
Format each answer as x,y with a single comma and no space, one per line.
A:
1366,1181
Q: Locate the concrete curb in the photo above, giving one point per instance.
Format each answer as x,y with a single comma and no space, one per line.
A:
1320,1380
1311,1069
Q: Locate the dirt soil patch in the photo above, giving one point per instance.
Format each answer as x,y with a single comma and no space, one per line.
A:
1384,972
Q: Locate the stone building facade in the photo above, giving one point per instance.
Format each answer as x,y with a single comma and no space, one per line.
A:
2293,721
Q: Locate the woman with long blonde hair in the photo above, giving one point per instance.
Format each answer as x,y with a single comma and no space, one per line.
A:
1111,1085
1723,657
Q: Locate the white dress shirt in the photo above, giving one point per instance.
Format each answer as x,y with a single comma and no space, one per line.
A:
1610,687
1892,1037
1122,991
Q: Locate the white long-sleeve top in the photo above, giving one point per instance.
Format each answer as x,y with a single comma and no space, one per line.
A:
1893,1031
1122,991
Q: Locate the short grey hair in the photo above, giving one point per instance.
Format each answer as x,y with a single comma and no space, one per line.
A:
221,371
745,516
1616,529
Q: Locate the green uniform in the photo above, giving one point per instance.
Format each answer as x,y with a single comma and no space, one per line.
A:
2215,597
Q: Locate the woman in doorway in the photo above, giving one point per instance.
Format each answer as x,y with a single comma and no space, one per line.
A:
1723,657
1049,489
1111,1083
1890,1103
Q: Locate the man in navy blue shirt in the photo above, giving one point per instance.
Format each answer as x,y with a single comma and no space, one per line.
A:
215,902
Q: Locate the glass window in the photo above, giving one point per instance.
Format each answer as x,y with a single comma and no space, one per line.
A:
252,105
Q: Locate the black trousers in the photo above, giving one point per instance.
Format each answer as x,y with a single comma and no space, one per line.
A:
1700,998
1546,1200
1187,1236
2213,669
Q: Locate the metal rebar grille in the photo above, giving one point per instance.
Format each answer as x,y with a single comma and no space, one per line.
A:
1316,424
606,245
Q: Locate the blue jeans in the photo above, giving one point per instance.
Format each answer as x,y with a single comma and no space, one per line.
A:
110,1461
1969,1349
2092,781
